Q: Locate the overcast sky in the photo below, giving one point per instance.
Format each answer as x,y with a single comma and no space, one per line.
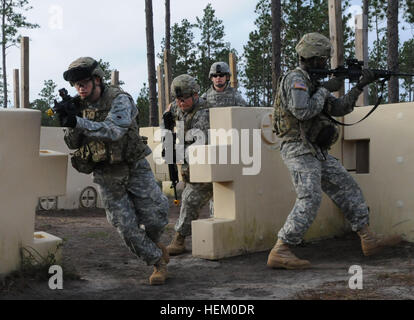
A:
114,32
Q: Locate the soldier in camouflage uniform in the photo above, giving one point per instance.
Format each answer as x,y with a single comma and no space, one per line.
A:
193,111
106,136
220,94
301,106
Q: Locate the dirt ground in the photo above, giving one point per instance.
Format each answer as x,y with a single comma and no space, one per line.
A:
97,265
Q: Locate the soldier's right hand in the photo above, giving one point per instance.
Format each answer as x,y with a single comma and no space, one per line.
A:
334,84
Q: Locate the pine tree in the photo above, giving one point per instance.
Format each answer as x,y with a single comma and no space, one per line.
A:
11,21
106,68
211,47
143,106
45,102
152,79
257,73
406,63
392,49
183,53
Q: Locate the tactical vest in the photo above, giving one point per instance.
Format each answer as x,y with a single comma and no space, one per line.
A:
226,98
188,117
130,148
319,130
188,125
286,125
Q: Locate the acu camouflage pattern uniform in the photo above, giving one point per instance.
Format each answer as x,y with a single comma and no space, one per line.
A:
127,186
311,168
195,195
227,98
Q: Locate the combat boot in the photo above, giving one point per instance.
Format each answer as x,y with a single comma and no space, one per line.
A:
164,250
160,273
177,245
281,257
372,243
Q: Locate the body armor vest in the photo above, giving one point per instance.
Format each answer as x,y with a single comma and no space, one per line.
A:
130,148
319,130
227,98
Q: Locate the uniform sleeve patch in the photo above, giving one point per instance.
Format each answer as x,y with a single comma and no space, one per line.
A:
300,85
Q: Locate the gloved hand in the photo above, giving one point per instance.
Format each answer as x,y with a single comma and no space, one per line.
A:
334,84
367,77
68,120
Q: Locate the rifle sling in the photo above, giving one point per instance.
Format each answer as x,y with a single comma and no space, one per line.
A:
379,100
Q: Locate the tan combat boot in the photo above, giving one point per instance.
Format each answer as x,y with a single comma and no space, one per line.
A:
160,273
372,243
176,246
281,257
164,250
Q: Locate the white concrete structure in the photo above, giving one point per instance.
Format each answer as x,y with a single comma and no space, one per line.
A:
25,174
249,210
80,189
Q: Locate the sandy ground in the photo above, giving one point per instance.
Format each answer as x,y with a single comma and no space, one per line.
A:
98,266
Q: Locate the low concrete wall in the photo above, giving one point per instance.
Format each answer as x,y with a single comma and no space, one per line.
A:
26,173
389,184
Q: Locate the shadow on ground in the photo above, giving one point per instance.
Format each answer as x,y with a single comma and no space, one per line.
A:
98,266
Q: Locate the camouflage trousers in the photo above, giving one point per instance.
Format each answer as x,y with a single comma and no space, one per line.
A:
193,198
135,206
310,177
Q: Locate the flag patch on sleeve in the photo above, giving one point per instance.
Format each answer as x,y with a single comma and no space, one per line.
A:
300,85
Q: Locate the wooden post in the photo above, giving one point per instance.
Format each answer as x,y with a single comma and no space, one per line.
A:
361,50
161,93
16,88
115,78
336,36
25,72
233,70
337,59
167,77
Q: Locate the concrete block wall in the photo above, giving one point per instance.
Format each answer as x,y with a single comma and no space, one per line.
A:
26,173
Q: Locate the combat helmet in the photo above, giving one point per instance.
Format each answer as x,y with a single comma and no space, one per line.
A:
314,45
83,68
184,85
219,67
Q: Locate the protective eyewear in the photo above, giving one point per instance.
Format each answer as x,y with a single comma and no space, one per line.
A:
215,75
183,97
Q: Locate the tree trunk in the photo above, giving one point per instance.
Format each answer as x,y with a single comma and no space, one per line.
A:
276,43
152,81
3,51
392,55
168,47
167,25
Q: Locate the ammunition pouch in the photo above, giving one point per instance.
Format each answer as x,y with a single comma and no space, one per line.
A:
82,160
136,147
323,132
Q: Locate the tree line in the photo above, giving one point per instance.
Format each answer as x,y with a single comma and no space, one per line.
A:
257,61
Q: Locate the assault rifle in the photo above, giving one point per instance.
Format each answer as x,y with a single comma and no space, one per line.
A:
172,167
352,70
68,105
